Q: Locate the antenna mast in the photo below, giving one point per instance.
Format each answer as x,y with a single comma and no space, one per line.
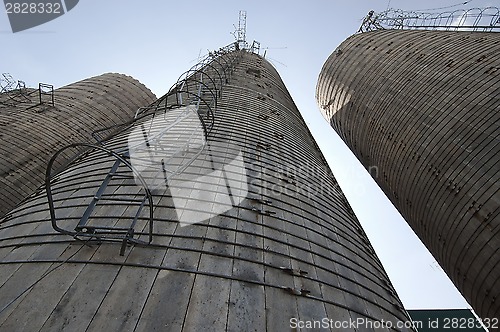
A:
241,32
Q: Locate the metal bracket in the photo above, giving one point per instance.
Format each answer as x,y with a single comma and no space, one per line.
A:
263,212
297,291
294,272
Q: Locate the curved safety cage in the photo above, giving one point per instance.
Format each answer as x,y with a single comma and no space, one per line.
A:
201,86
473,19
87,227
189,107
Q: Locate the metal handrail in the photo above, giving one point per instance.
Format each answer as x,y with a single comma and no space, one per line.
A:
474,19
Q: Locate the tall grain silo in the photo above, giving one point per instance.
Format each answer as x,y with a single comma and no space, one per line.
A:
418,104
213,209
34,123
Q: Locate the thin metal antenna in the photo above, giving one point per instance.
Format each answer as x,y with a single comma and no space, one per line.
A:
276,61
274,48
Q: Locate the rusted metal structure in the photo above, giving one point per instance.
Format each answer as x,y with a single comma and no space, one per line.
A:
420,109
213,209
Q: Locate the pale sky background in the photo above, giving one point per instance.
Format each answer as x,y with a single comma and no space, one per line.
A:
156,41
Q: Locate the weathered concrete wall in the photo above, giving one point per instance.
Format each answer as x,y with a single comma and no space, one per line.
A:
31,134
292,248
420,110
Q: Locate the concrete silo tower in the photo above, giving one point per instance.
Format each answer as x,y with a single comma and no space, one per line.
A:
213,209
420,110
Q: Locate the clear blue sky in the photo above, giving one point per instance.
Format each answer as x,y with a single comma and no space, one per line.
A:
156,41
